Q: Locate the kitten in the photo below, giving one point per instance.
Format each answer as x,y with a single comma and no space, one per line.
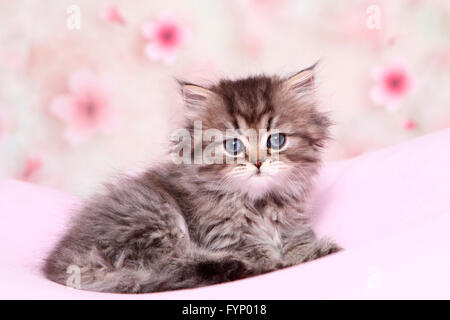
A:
190,225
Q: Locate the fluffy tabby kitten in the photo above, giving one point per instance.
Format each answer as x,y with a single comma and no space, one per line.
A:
190,225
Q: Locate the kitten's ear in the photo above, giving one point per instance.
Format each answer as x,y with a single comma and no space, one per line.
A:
194,96
302,80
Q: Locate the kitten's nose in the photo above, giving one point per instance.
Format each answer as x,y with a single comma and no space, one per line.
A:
258,164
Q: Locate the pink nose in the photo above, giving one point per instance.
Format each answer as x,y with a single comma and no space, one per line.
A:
258,164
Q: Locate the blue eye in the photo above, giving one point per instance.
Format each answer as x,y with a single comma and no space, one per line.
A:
233,146
276,141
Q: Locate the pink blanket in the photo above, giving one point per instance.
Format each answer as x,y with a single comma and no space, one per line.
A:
390,210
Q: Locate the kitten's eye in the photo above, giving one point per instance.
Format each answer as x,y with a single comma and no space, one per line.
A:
276,141
233,146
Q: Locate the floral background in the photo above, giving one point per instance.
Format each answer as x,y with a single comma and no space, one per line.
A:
87,87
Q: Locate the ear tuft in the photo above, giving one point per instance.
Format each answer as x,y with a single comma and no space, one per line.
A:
303,79
193,95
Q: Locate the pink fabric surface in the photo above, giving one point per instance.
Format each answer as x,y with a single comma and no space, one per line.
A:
390,210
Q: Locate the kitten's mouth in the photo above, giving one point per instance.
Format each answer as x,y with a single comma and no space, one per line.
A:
259,173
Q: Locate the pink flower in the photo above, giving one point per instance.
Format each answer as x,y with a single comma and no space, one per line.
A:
165,36
409,124
393,84
87,108
112,14
32,164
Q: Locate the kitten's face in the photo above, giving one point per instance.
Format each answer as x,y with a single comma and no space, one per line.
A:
271,134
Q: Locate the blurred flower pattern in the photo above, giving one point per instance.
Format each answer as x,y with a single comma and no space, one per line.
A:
393,83
383,75
32,164
87,108
165,36
409,124
112,14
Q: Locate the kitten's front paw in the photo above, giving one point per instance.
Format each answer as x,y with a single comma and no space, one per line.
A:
332,248
322,248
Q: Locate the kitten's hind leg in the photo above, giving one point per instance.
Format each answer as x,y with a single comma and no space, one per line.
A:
196,268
